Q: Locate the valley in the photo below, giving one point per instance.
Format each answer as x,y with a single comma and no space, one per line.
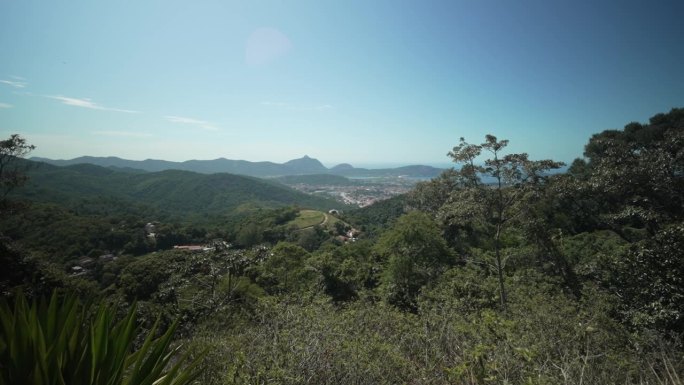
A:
357,192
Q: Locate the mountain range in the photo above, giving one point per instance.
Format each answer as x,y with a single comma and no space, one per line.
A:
301,166
178,191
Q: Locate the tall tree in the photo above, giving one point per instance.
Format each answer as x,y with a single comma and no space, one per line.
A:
638,172
11,168
494,196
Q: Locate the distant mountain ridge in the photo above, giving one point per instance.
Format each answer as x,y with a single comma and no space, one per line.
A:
301,166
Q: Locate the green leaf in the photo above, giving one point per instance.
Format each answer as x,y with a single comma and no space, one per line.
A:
56,342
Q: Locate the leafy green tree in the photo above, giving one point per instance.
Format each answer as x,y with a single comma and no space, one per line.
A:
649,281
250,235
637,173
347,270
416,255
373,219
12,173
141,278
429,196
311,239
512,182
139,244
285,270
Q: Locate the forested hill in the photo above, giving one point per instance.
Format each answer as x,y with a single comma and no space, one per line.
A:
171,190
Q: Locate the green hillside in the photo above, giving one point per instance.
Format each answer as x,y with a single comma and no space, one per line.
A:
309,218
176,191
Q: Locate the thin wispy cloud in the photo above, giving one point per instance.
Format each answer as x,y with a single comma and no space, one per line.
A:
123,134
297,107
87,103
203,124
5,105
16,83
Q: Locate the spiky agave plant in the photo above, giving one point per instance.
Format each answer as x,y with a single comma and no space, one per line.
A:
61,342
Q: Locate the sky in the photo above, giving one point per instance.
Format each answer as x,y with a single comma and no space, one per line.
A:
367,82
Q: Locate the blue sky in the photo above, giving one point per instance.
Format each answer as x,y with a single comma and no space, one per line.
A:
365,82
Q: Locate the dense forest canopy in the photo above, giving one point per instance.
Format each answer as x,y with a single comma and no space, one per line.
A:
496,271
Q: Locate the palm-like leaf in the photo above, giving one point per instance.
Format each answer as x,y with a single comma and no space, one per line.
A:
56,342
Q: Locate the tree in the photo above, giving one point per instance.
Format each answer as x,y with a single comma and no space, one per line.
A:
649,281
430,195
416,255
11,169
286,270
638,172
511,182
142,278
250,235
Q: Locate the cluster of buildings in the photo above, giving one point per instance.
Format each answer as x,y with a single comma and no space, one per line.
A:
362,193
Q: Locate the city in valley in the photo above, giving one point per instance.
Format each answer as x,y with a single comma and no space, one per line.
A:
360,192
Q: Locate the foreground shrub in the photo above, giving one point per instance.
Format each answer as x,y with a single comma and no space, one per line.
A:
61,341
457,336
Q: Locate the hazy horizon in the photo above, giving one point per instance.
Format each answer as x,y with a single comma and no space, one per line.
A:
371,165
356,82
